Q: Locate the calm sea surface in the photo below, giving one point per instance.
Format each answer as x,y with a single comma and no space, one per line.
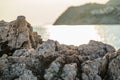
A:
81,34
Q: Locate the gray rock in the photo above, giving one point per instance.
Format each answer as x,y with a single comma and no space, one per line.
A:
53,70
69,71
19,52
95,49
114,69
15,70
94,70
48,46
27,76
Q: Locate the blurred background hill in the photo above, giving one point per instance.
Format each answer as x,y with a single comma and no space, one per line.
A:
91,13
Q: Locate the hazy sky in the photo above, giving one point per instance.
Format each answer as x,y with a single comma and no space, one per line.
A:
38,12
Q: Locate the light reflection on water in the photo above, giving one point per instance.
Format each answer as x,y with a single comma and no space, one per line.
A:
81,34
73,35
109,34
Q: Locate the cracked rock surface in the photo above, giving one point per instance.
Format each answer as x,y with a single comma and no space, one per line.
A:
16,35
24,56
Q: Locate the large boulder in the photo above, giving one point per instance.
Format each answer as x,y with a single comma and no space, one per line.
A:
10,70
113,72
17,34
94,70
95,49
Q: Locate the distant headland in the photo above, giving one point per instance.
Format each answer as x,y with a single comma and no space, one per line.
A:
91,13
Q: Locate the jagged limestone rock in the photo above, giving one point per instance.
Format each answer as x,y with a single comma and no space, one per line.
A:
17,34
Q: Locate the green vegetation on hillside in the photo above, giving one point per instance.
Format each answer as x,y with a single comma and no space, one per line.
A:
91,14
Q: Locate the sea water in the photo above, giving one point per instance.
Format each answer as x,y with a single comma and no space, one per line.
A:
81,34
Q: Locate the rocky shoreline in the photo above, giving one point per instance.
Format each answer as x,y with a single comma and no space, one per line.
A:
24,56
